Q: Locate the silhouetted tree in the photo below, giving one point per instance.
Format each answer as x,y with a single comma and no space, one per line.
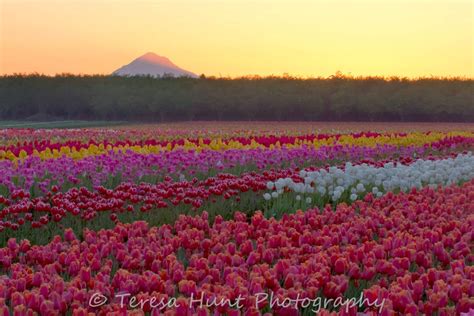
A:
150,99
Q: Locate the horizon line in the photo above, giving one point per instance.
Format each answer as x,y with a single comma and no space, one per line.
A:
336,75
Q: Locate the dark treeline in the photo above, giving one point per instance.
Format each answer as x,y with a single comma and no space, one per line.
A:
148,99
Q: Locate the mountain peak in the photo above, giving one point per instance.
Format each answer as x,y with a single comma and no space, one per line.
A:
150,54
151,64
154,58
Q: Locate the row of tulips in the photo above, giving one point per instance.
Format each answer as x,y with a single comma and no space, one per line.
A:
265,140
171,132
164,201
47,149
14,137
356,180
38,176
223,130
413,250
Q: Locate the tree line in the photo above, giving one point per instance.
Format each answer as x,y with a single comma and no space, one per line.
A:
149,99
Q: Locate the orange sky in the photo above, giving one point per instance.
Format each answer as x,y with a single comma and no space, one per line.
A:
240,37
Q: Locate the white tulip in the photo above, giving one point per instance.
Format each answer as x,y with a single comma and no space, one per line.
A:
392,176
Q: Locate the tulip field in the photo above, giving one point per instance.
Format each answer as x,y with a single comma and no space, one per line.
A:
238,219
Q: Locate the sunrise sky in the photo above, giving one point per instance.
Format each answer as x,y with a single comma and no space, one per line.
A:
239,37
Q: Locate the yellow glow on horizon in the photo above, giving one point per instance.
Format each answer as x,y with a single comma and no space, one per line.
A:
240,37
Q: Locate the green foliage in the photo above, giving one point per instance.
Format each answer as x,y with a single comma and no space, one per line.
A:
148,99
57,124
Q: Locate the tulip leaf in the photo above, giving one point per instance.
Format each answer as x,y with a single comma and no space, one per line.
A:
181,256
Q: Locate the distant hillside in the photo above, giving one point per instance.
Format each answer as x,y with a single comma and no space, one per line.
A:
154,65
